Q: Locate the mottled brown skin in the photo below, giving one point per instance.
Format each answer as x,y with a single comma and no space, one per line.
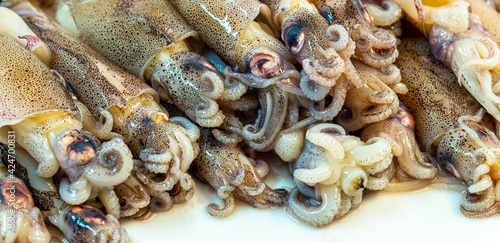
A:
149,132
187,92
143,29
379,46
98,83
222,23
28,87
130,33
218,164
46,201
489,17
437,102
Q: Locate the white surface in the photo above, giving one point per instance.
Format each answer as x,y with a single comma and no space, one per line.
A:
425,216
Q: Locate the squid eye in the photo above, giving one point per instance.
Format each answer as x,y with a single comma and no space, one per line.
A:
81,217
294,38
264,65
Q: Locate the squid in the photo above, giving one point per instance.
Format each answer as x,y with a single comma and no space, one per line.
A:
38,109
155,48
460,40
234,175
332,171
126,104
323,51
373,102
412,163
385,15
376,48
452,127
251,46
21,221
78,223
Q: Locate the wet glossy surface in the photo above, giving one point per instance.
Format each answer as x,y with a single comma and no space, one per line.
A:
382,217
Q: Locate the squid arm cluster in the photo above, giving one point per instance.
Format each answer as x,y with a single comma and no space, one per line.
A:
119,103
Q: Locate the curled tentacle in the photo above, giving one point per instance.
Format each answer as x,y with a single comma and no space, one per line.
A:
386,14
376,48
232,174
268,123
320,215
474,57
338,94
133,196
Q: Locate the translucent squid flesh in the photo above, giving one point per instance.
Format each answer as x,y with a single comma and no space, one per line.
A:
452,127
82,223
332,172
40,111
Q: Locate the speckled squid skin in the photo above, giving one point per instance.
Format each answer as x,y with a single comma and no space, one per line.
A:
313,24
489,17
350,13
130,32
222,23
217,165
28,88
434,98
437,104
98,83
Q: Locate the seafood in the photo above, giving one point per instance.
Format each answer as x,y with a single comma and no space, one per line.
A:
235,30
155,49
450,128
399,131
332,171
488,16
14,27
233,175
375,101
79,223
39,110
459,40
376,48
251,46
127,105
21,221
384,15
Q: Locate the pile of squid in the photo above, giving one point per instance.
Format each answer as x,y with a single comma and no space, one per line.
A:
110,109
